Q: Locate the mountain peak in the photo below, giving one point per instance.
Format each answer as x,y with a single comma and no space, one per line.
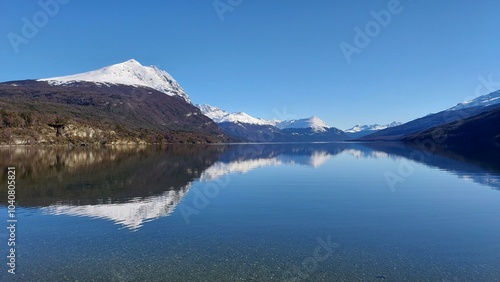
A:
130,64
132,61
131,73
313,122
219,116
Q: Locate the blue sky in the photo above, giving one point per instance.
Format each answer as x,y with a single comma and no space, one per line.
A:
273,59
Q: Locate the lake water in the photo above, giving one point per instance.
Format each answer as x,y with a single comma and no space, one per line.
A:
254,212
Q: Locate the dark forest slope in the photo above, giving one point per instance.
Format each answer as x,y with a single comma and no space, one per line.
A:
98,113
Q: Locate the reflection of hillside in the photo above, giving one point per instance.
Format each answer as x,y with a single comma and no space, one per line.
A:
132,214
35,160
88,175
480,165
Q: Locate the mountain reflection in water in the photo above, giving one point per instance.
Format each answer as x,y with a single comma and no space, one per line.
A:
134,185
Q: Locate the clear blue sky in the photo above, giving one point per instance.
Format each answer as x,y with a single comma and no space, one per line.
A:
269,55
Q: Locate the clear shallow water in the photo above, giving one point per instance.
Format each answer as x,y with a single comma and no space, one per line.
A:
285,212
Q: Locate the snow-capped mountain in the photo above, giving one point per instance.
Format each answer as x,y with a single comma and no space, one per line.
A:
220,116
312,122
244,127
359,131
372,127
481,101
131,73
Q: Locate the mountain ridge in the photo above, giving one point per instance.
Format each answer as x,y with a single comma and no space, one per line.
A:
244,127
131,73
219,116
481,101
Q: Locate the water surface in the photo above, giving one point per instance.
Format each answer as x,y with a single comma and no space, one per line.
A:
281,212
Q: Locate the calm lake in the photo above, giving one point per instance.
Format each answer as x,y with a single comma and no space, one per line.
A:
253,212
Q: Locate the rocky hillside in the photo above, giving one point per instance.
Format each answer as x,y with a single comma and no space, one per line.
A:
36,112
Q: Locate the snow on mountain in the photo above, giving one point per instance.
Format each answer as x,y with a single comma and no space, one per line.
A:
372,127
313,122
219,116
130,72
481,101
212,112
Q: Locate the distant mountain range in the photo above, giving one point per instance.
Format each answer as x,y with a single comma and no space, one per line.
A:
126,103
359,131
220,116
244,127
